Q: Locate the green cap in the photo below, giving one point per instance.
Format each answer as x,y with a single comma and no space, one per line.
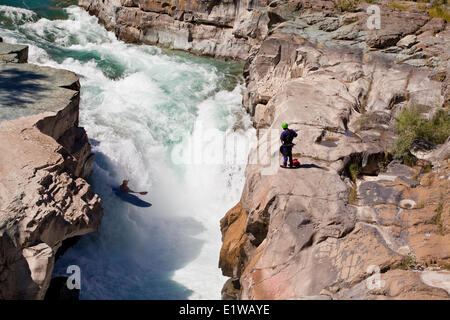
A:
284,125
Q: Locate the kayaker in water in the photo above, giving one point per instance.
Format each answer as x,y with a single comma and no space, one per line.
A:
124,188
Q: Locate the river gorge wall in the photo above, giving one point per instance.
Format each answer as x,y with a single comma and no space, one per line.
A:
321,231
44,159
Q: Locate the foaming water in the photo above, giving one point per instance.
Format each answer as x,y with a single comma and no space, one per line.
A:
138,106
16,15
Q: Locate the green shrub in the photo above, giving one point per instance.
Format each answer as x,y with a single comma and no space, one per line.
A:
409,261
410,125
401,149
439,11
437,129
353,171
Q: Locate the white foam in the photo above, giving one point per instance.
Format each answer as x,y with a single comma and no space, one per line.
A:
17,15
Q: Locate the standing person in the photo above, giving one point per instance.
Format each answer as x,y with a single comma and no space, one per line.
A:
287,136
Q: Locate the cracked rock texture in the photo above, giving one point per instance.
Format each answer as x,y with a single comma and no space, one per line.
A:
44,157
313,232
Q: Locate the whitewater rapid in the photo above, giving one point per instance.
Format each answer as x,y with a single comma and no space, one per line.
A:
145,111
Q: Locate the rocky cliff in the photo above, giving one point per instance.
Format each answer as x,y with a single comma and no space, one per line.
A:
225,29
350,223
44,156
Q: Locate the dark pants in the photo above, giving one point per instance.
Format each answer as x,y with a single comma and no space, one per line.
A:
287,153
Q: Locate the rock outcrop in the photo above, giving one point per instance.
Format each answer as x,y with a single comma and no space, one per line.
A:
322,231
44,156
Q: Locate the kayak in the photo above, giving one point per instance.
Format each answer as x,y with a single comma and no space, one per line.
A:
131,198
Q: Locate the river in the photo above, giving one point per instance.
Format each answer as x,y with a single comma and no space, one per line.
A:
165,121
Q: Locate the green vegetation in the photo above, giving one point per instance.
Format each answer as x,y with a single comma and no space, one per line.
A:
439,12
439,9
350,5
397,5
411,125
353,171
408,262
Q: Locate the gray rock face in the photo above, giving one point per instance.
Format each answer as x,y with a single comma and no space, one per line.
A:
43,157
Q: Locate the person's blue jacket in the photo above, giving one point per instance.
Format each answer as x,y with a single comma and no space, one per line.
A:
287,136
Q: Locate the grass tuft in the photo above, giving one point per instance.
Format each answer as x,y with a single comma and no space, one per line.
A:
399,6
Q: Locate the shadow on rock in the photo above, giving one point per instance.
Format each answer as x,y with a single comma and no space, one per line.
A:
312,165
19,87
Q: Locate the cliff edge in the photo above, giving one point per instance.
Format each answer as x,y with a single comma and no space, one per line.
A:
44,158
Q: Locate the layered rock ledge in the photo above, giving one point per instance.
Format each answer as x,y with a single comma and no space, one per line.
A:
317,232
44,158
